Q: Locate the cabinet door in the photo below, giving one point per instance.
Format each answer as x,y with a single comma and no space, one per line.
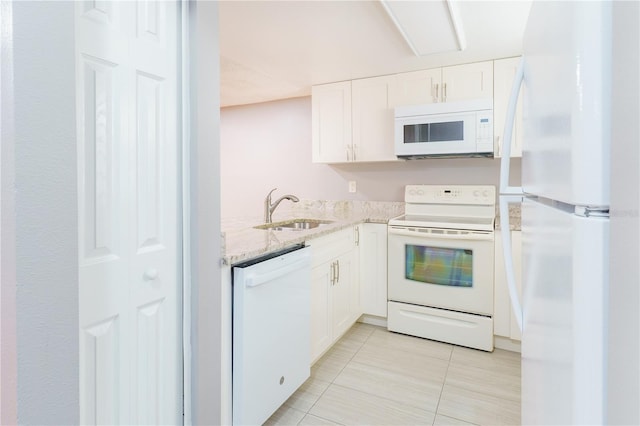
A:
355,303
321,336
469,81
341,295
516,249
417,87
503,73
373,269
501,302
331,122
504,323
372,116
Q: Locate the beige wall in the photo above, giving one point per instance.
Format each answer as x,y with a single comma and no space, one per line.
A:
268,145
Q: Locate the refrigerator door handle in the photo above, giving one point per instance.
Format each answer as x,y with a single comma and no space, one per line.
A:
505,200
505,161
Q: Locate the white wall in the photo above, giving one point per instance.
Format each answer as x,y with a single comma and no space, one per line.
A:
8,355
204,198
45,217
268,145
623,356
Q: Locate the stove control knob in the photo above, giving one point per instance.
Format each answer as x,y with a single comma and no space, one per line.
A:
485,193
420,192
476,193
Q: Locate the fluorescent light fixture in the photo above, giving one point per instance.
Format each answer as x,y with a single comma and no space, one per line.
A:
428,27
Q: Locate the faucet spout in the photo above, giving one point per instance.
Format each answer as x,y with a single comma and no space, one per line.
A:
270,207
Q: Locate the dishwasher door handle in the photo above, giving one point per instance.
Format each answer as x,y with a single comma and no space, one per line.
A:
254,280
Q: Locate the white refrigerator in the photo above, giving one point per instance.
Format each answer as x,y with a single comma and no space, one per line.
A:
566,72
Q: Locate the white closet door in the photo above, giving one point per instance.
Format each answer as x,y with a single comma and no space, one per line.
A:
130,305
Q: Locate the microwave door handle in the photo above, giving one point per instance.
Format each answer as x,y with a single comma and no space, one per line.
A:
505,161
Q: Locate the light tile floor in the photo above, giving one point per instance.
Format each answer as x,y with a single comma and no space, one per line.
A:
375,377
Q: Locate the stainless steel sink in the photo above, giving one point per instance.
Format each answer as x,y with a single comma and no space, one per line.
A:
294,225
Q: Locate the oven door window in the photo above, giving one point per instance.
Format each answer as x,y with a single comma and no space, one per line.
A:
436,265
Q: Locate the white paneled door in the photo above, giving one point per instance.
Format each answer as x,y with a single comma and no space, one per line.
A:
130,291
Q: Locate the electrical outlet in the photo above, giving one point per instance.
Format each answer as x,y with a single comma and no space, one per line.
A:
352,186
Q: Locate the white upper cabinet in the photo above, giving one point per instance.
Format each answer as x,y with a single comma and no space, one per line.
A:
455,83
503,73
372,115
353,121
331,122
468,81
417,87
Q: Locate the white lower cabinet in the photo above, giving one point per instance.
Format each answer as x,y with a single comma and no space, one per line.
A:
504,322
373,269
335,291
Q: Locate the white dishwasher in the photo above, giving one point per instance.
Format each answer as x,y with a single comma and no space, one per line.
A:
271,322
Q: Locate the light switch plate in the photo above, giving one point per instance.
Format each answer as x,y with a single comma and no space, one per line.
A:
352,186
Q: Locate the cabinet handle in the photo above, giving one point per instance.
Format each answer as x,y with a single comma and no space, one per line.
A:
354,149
437,87
357,235
444,92
333,273
338,268
348,157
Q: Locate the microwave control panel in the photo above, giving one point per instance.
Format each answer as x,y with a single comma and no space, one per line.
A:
484,131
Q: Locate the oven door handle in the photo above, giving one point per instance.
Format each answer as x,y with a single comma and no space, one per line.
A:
488,236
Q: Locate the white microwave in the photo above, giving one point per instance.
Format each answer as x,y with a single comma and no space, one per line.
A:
447,129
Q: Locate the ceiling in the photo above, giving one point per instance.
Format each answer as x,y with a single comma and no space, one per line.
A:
273,50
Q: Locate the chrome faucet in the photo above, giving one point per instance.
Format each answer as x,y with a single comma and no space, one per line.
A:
269,208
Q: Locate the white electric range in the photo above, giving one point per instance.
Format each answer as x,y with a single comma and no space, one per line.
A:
440,265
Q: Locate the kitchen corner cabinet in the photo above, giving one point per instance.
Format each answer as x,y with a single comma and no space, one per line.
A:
373,269
335,291
504,71
331,122
504,322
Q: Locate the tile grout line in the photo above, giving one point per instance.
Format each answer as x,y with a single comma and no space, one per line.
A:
443,383
333,380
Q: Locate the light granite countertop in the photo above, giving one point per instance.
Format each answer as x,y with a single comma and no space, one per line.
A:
514,217
241,241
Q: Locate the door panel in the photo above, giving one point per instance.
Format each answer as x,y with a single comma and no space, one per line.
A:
150,329
320,309
99,370
130,292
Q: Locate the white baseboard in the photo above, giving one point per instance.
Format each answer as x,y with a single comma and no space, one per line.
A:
373,320
506,344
